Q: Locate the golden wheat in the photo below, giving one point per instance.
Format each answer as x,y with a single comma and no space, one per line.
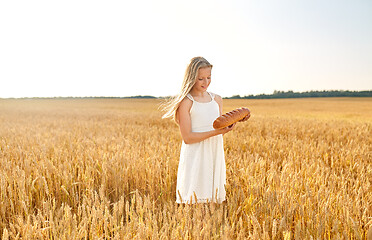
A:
106,169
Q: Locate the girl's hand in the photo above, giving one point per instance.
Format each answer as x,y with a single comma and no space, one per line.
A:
245,118
227,129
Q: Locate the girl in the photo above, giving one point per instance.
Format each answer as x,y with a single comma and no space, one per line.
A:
201,173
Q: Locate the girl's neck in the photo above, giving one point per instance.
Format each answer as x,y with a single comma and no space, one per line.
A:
202,97
198,93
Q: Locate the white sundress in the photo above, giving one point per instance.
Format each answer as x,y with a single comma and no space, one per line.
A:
201,169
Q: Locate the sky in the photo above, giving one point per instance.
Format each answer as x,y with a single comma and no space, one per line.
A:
83,48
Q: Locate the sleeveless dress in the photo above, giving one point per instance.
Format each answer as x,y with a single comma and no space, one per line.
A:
201,173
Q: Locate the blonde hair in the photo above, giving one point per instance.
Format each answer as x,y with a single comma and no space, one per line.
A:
170,107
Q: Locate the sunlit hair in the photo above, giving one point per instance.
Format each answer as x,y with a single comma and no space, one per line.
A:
170,107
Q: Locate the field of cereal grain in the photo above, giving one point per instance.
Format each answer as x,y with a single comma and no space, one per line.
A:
106,169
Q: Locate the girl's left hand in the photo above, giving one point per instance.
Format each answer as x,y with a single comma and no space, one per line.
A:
245,118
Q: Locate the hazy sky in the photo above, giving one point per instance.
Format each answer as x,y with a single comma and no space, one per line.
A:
124,48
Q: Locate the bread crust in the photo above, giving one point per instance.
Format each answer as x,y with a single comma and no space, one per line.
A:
230,118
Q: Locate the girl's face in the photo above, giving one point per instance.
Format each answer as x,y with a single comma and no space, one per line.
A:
203,80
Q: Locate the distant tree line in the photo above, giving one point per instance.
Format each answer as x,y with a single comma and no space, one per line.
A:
276,94
310,94
141,96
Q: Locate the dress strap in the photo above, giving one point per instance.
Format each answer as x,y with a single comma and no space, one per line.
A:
190,97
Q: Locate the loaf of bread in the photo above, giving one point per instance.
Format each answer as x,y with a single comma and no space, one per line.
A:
230,118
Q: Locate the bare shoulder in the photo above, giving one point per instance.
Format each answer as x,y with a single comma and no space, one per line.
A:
183,109
218,99
186,103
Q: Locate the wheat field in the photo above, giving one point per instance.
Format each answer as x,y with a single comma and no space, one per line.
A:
107,169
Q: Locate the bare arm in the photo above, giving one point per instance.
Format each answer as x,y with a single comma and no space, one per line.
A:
185,125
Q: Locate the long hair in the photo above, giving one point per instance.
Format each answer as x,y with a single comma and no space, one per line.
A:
171,106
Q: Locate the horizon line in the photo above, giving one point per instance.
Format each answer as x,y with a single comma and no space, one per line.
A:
161,97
